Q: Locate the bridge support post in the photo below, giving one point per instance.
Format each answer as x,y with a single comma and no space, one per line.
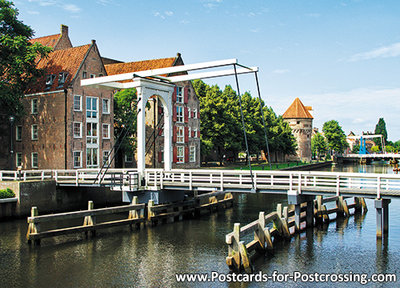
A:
294,198
382,217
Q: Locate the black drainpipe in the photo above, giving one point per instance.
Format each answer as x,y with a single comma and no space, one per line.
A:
65,128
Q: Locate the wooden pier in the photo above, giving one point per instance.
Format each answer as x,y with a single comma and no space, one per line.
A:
282,224
209,202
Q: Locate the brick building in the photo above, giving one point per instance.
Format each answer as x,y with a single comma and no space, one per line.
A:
66,126
300,120
186,122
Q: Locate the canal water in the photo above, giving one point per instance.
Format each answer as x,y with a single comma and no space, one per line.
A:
151,257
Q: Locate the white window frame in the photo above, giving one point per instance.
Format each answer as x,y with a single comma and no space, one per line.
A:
180,114
18,159
194,113
195,133
34,128
190,132
34,154
50,80
106,153
18,133
180,134
80,103
128,159
90,162
80,129
180,154
92,75
192,154
108,105
92,139
92,110
62,77
189,116
84,75
180,94
80,158
34,106
108,130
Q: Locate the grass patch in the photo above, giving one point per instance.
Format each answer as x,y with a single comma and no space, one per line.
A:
6,193
274,166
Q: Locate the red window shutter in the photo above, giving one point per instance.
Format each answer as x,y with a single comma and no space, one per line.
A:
186,115
174,95
186,154
185,95
174,117
192,133
186,134
159,156
160,131
174,135
175,155
192,114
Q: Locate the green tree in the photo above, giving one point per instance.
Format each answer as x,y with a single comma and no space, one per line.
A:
380,128
125,119
18,59
318,145
390,149
335,136
356,149
375,149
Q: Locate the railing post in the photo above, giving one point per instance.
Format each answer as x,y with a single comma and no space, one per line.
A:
33,228
76,178
211,178
240,179
133,214
378,188
222,180
24,175
255,179
272,180
299,188
337,185
150,212
161,180
55,175
42,175
290,181
190,180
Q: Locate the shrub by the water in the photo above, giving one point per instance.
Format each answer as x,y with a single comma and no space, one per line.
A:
6,193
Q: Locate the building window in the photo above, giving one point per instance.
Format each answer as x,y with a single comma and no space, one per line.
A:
128,158
189,113
106,106
180,134
34,159
91,133
195,133
179,94
77,159
62,77
92,157
106,158
190,132
34,106
77,103
194,113
18,160
179,114
18,133
49,81
106,131
180,154
192,154
91,107
101,74
34,132
77,129
92,75
84,75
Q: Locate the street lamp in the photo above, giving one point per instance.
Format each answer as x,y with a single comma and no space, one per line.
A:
12,119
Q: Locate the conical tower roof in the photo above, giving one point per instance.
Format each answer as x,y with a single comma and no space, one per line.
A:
297,111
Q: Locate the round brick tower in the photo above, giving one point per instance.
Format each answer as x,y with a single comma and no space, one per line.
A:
300,120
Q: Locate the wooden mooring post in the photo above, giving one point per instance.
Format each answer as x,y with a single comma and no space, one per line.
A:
285,224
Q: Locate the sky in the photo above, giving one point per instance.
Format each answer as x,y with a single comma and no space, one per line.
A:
340,57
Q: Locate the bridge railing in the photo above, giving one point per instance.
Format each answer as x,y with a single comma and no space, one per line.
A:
289,180
25,175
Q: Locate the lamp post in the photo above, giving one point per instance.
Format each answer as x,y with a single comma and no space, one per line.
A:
12,119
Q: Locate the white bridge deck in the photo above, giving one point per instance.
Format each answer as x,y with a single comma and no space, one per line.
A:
374,156
304,182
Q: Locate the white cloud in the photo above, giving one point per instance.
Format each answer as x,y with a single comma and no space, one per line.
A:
169,13
382,52
71,8
255,30
281,71
33,12
210,4
164,14
45,2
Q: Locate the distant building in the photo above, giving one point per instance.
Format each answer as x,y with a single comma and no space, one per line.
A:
300,120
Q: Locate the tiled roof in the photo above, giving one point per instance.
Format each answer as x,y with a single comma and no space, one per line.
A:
297,110
49,41
120,68
66,60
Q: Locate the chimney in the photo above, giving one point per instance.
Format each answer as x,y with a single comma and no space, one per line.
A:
64,30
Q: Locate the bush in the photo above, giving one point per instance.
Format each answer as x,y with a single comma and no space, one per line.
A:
6,193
